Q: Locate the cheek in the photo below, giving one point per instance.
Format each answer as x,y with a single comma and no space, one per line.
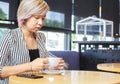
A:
31,23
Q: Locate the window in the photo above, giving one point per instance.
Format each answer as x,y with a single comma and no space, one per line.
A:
4,10
54,40
4,14
54,19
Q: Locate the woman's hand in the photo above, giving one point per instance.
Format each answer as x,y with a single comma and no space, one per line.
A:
61,64
38,64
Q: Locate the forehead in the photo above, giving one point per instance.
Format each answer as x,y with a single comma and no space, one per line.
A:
39,16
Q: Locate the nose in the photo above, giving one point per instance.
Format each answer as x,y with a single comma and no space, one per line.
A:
40,21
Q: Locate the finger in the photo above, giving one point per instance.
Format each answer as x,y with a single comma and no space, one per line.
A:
61,59
46,61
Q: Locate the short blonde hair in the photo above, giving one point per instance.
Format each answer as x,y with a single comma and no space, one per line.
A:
27,8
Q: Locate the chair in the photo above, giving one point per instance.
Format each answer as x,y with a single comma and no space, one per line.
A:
72,58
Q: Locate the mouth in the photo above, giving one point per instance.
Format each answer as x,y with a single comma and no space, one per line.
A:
37,28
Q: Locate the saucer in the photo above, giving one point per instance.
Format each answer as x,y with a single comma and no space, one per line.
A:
53,72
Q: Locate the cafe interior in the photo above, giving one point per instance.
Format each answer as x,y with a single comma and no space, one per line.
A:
85,33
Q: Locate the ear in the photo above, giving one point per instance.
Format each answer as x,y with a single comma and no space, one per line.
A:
22,21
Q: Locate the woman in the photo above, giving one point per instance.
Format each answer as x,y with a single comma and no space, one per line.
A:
23,49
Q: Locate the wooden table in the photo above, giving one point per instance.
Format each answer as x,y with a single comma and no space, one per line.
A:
114,67
71,77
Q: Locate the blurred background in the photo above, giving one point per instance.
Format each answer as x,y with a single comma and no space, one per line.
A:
60,23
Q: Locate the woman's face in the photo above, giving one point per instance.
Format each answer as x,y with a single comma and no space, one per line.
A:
34,23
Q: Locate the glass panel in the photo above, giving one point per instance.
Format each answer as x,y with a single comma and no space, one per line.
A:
4,10
74,46
54,40
4,14
54,19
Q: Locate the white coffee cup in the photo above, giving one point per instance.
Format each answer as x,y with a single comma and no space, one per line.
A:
53,61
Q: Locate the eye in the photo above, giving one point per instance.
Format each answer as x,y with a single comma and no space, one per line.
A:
43,18
36,17
39,17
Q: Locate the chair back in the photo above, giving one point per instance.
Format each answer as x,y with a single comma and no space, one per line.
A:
72,58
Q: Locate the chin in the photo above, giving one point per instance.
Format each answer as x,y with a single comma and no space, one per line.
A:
36,30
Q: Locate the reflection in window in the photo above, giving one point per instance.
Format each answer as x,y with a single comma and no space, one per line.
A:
54,19
93,33
54,40
4,10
